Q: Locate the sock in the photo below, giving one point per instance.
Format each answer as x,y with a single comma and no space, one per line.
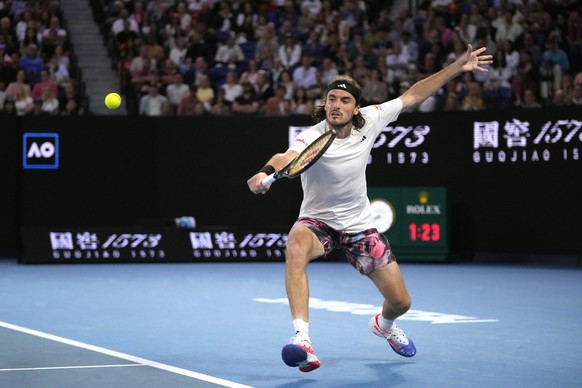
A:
385,323
301,327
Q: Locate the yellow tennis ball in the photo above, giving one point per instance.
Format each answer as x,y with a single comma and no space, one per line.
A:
113,100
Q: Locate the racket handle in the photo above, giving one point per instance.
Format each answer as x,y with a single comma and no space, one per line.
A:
269,179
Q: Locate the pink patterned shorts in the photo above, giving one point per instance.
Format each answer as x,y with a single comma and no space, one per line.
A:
366,251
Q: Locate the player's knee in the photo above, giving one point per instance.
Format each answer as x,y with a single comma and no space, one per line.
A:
295,254
403,304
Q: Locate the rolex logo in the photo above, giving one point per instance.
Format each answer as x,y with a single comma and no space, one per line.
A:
423,197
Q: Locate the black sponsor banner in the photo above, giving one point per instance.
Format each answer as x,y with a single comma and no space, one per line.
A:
56,245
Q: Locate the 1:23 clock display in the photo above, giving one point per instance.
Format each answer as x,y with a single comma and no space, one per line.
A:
424,232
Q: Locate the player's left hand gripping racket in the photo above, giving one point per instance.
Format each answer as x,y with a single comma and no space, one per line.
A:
305,159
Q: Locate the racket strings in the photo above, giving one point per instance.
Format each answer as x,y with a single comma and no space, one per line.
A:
307,156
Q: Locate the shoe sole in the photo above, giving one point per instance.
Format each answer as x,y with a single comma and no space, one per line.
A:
295,356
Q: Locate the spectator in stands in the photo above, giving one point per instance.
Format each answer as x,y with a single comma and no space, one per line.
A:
305,75
576,98
23,103
168,73
247,103
263,88
313,48
141,79
18,84
176,92
285,79
374,90
329,70
61,57
178,51
205,92
189,105
267,40
52,36
527,76
452,103
559,99
232,88
397,64
229,54
7,35
290,52
567,85
32,64
512,56
251,74
530,100
555,63
23,23
154,50
529,44
247,20
141,61
220,106
32,36
125,37
50,103
200,69
508,28
301,104
46,82
199,48
278,105
474,98
153,103
183,18
467,30
269,62
124,21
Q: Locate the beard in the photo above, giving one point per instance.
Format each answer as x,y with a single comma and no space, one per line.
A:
338,122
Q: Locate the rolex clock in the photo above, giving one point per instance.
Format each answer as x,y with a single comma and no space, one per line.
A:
382,214
414,219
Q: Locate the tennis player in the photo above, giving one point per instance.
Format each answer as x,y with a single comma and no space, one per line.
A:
335,211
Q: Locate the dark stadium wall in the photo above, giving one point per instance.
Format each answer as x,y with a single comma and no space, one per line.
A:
142,171
9,152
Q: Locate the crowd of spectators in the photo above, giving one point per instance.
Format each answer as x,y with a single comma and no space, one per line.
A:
38,74
274,57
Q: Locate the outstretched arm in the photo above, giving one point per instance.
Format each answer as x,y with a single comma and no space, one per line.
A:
278,161
421,90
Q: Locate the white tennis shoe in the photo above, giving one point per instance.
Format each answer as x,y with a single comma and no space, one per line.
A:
395,337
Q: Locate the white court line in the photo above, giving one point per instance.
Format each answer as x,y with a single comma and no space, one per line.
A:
124,356
71,367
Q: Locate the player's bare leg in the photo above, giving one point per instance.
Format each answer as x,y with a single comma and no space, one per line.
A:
397,301
302,247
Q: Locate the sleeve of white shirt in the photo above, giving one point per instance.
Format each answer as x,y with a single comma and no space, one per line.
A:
380,115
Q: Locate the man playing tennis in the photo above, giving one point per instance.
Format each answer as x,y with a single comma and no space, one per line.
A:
335,211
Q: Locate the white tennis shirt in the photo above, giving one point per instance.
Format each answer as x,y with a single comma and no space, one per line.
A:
334,188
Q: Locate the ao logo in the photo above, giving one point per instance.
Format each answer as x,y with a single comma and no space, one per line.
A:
40,151
45,150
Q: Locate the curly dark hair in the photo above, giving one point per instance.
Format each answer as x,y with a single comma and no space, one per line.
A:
319,113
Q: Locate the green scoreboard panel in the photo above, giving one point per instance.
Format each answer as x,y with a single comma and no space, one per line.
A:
414,219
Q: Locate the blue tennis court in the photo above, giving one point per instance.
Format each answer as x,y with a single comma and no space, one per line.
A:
223,324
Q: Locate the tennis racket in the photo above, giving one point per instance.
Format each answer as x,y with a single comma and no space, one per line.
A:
304,160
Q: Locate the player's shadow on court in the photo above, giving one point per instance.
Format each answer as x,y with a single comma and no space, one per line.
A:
386,371
297,383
